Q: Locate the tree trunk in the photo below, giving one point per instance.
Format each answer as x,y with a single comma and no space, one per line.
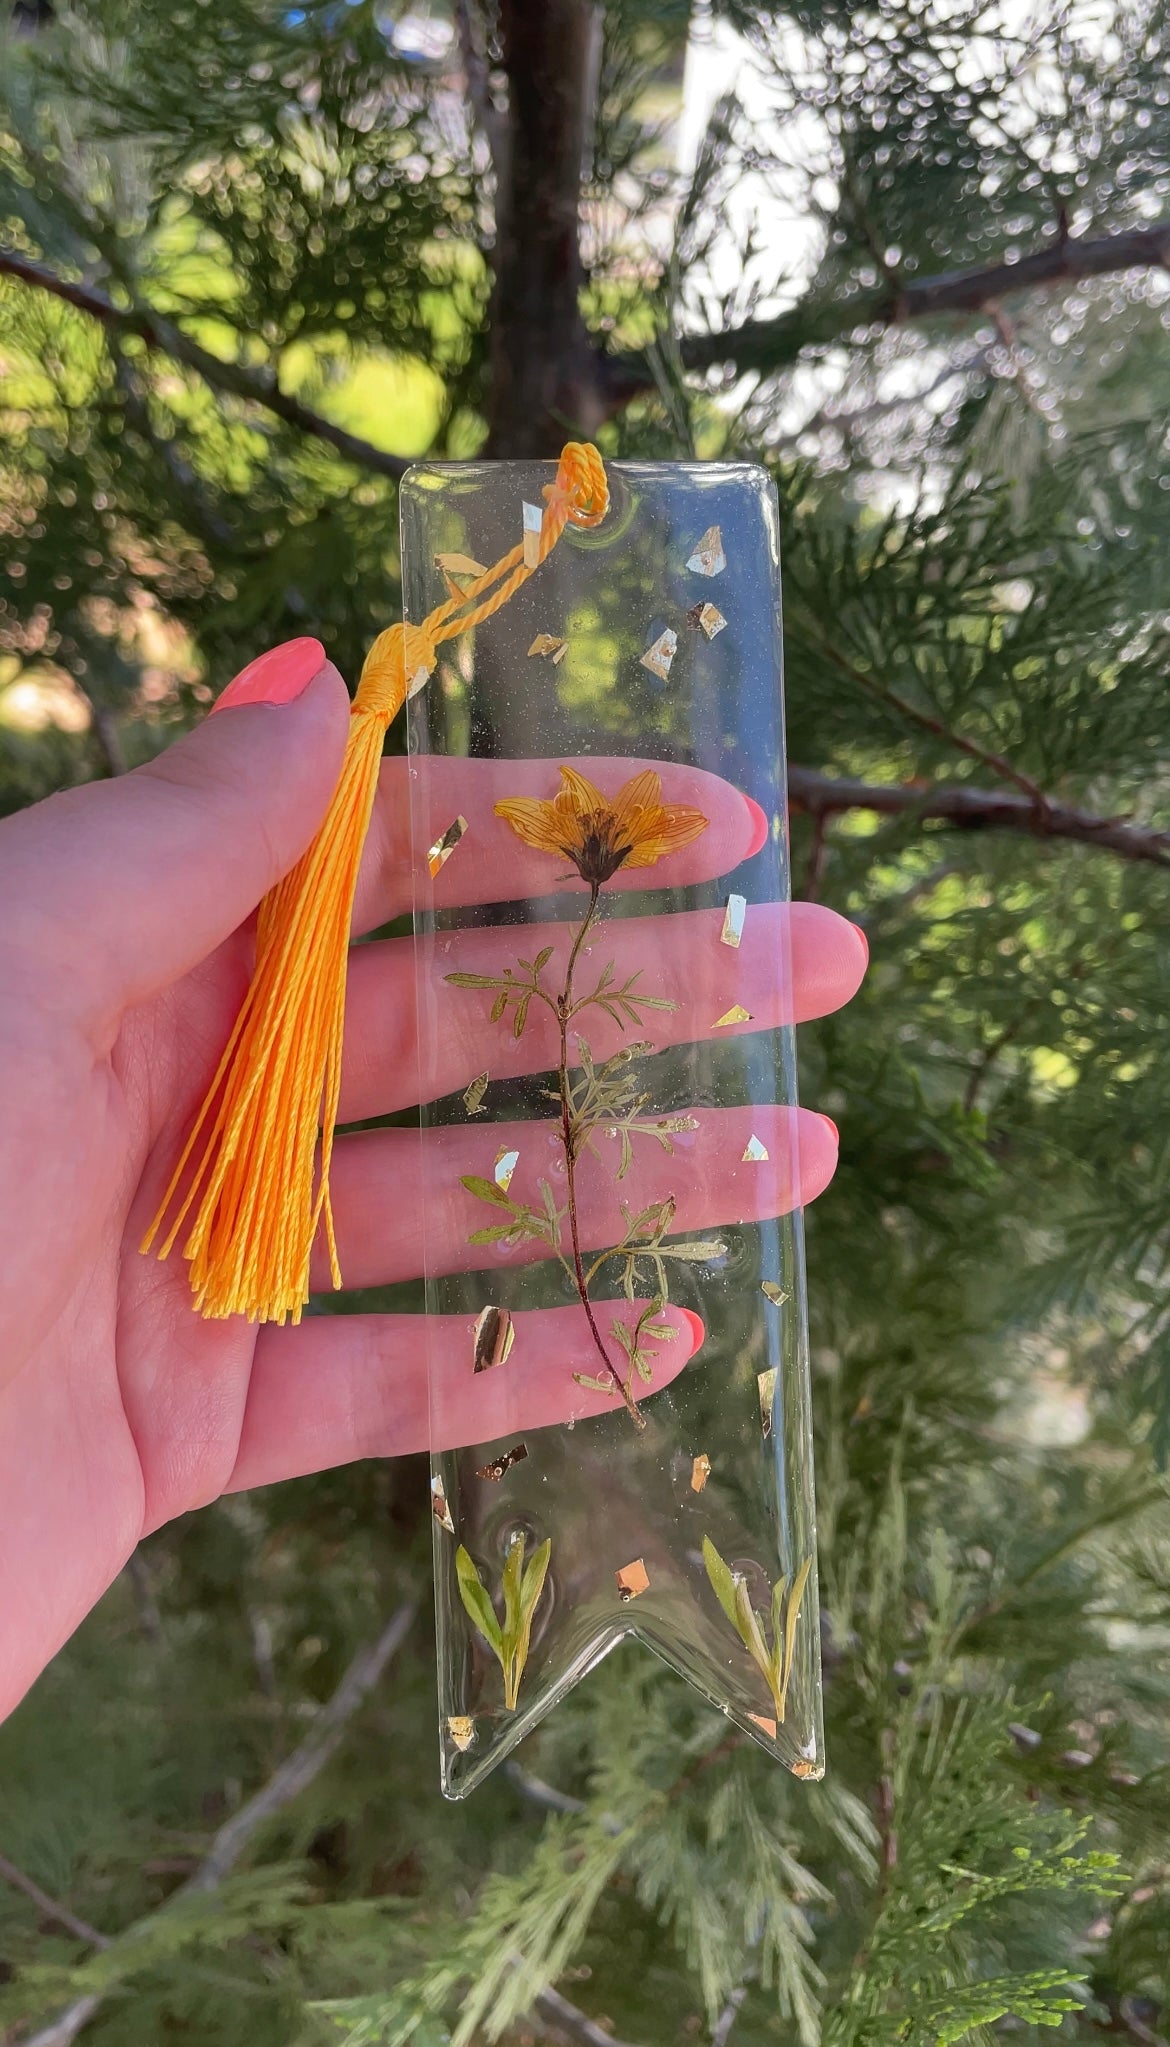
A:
545,380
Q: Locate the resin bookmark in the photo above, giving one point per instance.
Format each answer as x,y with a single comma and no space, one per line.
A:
611,1233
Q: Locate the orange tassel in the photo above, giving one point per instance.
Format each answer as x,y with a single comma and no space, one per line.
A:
261,1192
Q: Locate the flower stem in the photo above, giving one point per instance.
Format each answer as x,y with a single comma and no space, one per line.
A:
564,1012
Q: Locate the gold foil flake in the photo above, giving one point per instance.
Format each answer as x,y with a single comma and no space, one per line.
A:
700,1472
803,1768
439,854
493,1339
461,1728
776,1294
737,1014
766,1382
658,657
708,558
459,565
504,1462
734,918
632,1580
765,1725
439,1506
533,521
756,1151
546,644
505,1166
473,1096
706,618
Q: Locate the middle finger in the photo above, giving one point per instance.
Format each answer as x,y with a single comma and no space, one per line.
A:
795,961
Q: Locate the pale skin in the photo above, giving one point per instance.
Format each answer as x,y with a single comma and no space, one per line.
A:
125,934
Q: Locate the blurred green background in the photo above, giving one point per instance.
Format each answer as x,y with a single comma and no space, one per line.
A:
910,254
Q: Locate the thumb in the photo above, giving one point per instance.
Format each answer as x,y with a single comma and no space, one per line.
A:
128,884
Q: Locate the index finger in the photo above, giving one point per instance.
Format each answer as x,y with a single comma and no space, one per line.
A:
421,795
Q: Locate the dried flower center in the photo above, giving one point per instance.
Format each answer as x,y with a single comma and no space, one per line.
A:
594,850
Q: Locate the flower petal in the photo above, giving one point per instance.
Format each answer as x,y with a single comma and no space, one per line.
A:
663,832
641,793
579,794
539,824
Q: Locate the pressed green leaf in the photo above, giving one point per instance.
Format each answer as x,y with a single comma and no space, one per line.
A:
485,1190
542,958
793,1614
751,1634
476,1601
533,1581
494,1234
499,1006
472,980
722,1582
510,1584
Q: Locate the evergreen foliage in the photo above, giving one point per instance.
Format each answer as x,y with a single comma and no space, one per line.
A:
276,227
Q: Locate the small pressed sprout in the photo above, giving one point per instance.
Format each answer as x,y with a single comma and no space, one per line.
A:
473,1096
766,1382
706,618
737,1014
632,1580
659,656
439,1506
461,1728
495,1333
533,520
756,1150
439,854
521,1588
504,1462
774,1659
549,646
734,918
700,1472
505,1166
708,558
776,1294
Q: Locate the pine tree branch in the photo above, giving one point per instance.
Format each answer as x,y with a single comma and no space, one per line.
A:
767,345
287,1782
973,809
256,386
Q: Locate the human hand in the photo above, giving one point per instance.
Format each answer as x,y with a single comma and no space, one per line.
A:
125,944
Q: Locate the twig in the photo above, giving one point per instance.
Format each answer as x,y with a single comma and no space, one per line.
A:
929,723
721,2030
51,1908
972,809
203,513
570,2019
293,1776
816,858
257,386
767,345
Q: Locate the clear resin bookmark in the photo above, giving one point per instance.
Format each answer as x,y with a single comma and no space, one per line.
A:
615,1327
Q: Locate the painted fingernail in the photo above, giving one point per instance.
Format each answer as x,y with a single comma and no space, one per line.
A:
759,826
831,1124
698,1328
863,938
276,677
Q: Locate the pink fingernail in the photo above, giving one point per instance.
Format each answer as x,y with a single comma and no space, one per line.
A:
759,826
276,677
831,1124
863,938
698,1328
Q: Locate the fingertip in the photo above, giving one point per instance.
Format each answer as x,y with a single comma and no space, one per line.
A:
759,824
697,1326
278,676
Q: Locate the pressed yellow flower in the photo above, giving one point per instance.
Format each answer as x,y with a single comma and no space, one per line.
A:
600,833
